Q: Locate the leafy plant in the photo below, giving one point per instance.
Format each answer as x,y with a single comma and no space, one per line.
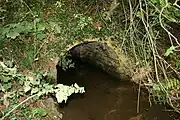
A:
165,90
39,112
31,83
178,64
6,77
30,56
170,11
12,31
170,51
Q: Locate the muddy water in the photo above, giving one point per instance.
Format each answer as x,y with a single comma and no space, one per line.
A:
107,98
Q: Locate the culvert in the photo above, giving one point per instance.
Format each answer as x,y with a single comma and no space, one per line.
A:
108,96
102,55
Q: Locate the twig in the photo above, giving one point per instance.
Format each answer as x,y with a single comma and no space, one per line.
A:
139,93
151,40
42,45
131,29
38,51
175,4
28,8
160,20
153,46
7,114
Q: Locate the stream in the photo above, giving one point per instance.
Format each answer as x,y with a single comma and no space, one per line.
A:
107,98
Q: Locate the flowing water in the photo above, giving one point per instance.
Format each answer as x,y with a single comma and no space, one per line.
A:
108,98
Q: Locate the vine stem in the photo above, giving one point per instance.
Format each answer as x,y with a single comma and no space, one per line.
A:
28,8
160,20
176,4
7,114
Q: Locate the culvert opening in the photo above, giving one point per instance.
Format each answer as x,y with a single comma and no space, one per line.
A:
106,97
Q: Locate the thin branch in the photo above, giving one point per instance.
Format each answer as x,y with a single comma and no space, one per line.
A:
160,20
3,118
176,4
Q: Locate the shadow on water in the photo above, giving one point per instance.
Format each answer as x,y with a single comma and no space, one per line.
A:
106,98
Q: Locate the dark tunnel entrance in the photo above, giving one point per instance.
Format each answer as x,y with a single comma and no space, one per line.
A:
106,97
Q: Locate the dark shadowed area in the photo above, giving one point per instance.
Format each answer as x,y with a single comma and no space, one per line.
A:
107,98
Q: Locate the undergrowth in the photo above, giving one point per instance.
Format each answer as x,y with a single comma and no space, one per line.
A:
155,47
35,33
15,85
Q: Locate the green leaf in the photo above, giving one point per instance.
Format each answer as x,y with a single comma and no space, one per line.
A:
39,112
52,25
6,101
35,81
1,41
1,38
27,86
41,36
41,27
58,29
34,90
23,27
6,86
5,79
27,27
55,27
12,34
4,31
139,14
30,56
170,51
39,76
178,64
18,29
37,20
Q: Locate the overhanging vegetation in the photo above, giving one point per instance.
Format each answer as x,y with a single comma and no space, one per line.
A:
35,34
